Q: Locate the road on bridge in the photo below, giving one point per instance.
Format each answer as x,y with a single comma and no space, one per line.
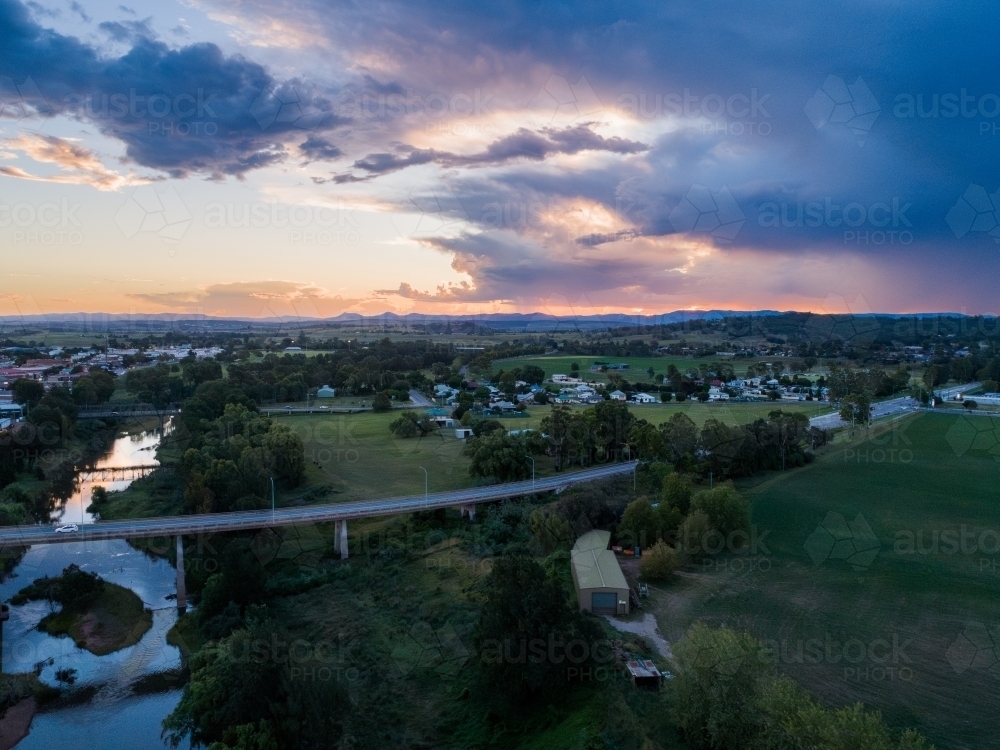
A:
256,519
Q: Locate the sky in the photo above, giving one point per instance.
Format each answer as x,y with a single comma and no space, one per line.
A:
260,158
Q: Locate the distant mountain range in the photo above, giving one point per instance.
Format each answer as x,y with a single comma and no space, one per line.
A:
512,322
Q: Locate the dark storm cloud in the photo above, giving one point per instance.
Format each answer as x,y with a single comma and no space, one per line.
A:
180,111
754,85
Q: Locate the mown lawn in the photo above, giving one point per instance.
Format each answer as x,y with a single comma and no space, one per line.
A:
921,619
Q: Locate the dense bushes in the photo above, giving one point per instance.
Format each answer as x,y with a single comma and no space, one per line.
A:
726,695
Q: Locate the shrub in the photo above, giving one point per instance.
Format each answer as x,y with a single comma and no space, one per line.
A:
659,563
726,508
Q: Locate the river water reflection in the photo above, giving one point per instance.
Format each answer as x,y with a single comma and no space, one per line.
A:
115,717
129,450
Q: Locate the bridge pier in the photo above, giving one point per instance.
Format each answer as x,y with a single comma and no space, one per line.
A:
469,510
340,538
181,589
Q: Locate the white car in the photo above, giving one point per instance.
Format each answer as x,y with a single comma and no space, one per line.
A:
67,529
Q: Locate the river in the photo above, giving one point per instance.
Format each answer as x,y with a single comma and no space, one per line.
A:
115,717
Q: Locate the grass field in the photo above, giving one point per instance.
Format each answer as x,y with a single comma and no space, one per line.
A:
636,373
920,625
358,457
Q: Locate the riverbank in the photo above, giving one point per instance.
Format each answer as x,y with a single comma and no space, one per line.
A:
20,697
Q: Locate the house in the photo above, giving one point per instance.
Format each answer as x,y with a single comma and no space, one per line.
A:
504,406
326,392
643,398
717,394
444,391
565,379
463,432
617,396
600,584
443,421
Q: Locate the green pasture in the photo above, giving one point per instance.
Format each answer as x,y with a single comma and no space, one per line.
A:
918,608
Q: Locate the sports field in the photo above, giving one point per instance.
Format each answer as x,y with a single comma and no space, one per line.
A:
876,577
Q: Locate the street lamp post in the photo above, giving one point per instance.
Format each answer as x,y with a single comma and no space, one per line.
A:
272,499
425,483
532,469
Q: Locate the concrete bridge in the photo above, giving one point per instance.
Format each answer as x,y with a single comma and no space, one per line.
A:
111,411
464,500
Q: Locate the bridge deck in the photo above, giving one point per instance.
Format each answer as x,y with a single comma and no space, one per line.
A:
256,519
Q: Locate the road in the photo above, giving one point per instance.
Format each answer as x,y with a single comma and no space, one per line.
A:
419,400
248,520
888,408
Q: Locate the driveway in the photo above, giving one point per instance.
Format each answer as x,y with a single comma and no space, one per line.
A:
647,628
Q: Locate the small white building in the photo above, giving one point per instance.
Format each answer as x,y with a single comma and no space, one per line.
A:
643,398
463,432
617,396
326,392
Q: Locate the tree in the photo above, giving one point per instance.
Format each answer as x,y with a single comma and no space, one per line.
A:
524,614
856,408
244,679
659,562
726,695
726,508
677,492
27,392
382,402
153,385
647,440
410,425
639,526
500,456
680,435
286,455
532,375
612,423
692,533
720,675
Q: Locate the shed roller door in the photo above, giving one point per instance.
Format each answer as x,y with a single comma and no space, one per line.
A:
604,604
